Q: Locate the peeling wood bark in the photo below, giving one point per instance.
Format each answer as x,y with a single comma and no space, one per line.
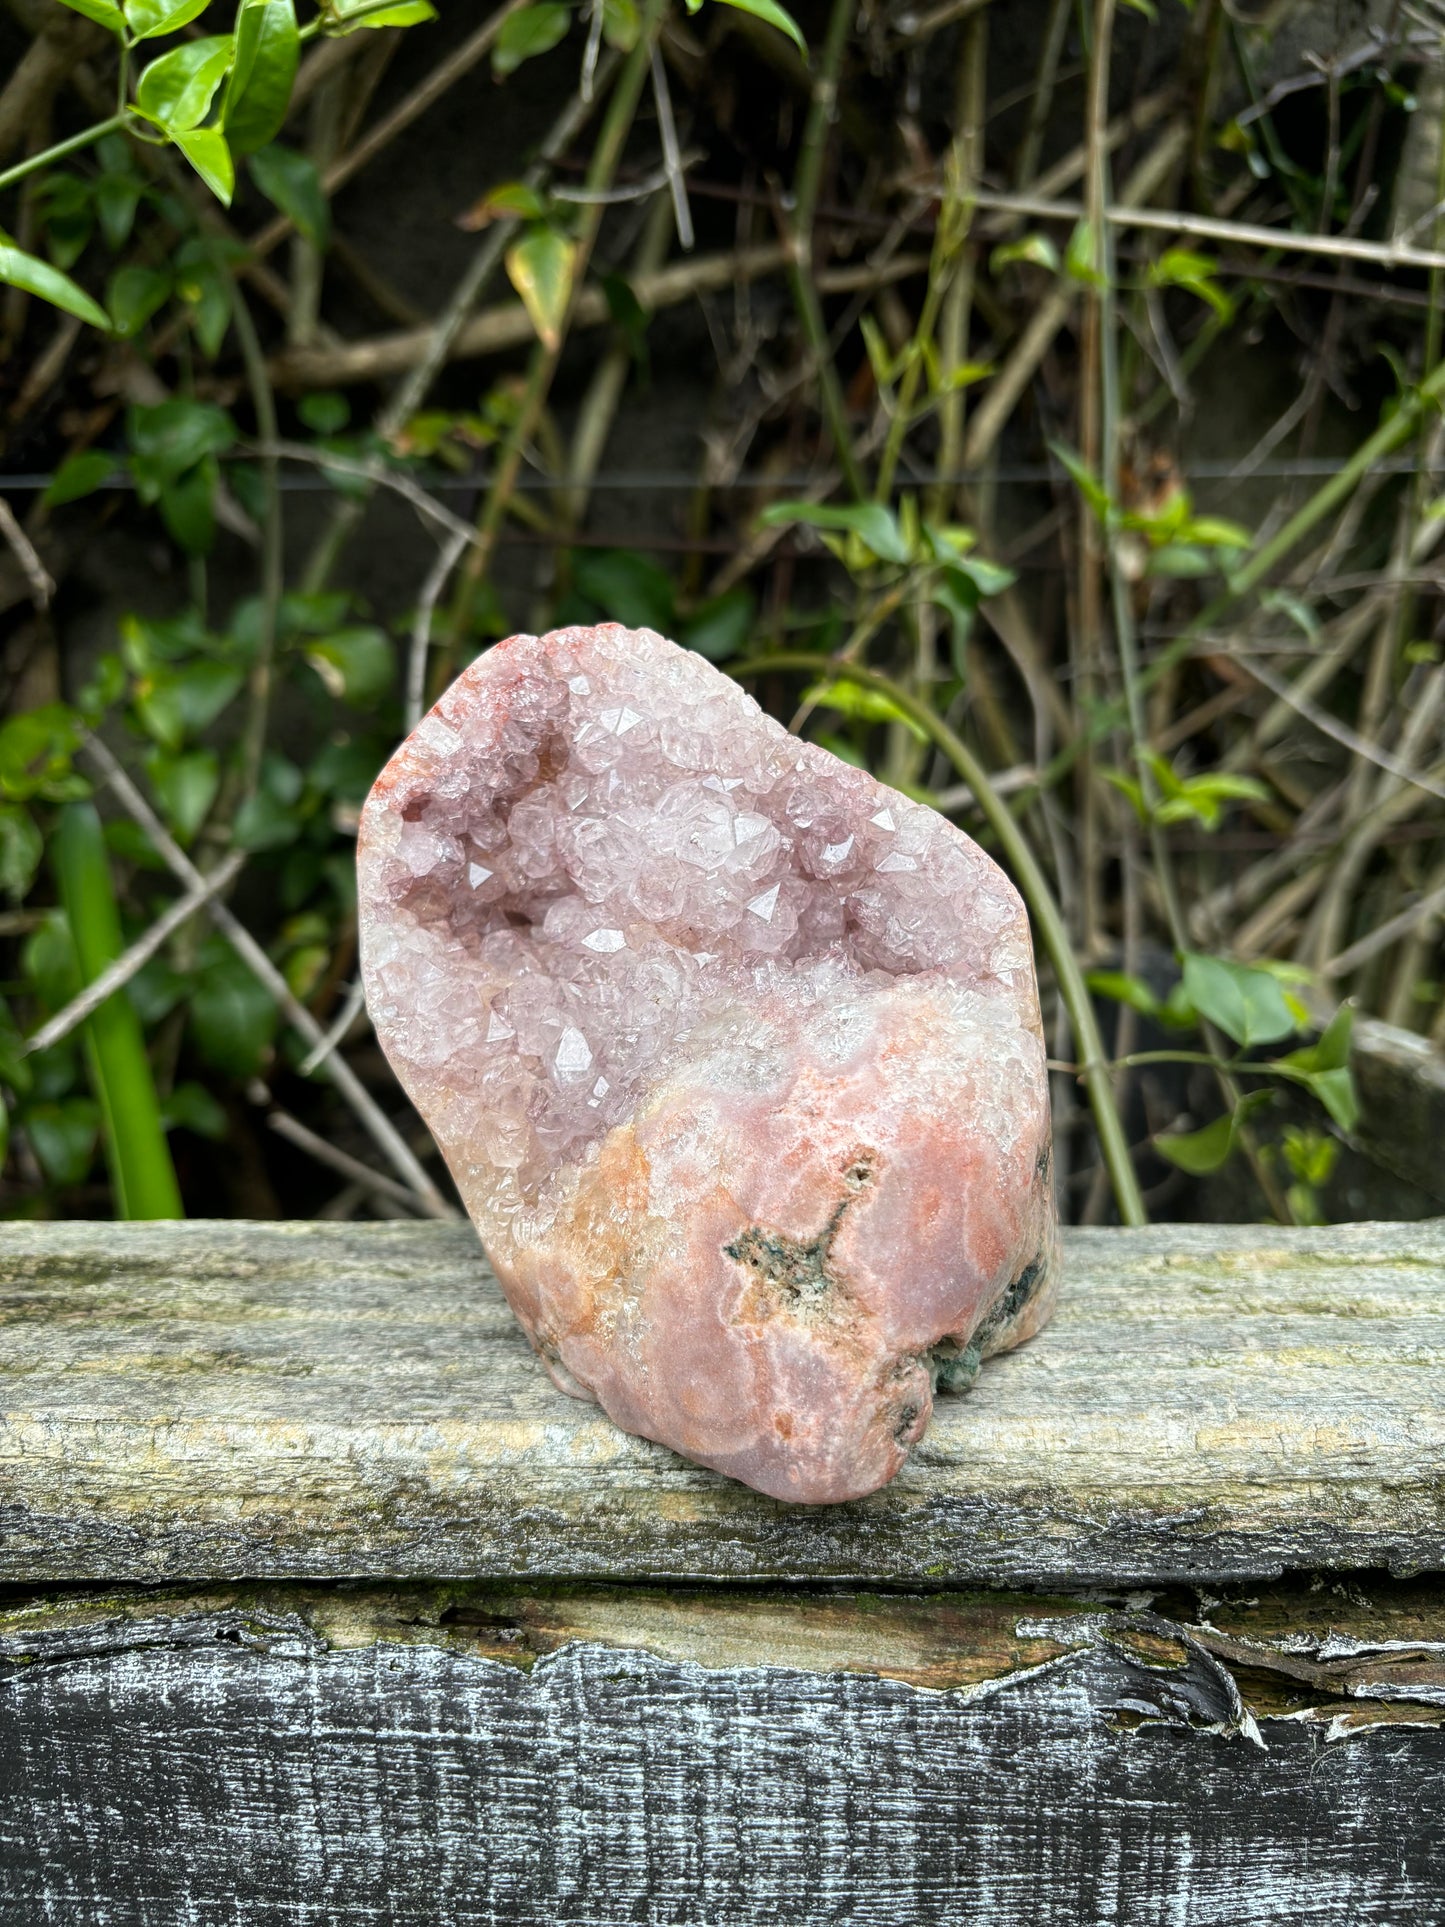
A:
309,1755
234,1400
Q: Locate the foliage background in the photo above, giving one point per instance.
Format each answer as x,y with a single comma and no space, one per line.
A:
930,371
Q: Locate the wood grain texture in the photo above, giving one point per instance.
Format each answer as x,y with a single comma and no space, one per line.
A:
331,1401
344,1760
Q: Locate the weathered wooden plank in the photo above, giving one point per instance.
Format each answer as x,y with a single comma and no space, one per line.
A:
295,1757
336,1401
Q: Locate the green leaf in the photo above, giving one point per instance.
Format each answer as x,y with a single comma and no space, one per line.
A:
529,32
291,182
63,1135
626,587
191,1107
207,152
1332,1052
35,751
1323,1068
1083,478
867,705
48,963
105,13
134,295
1081,259
21,848
1183,268
305,969
203,690
69,210
1296,608
324,413
1245,1002
38,277
1213,532
270,819
188,507
232,1016
117,196
1178,562
957,595
158,712
1311,1155
1129,787
176,91
775,16
629,315
621,24
172,437
14,1070
1336,1091
80,475
207,295
268,48
358,666
874,525
406,13
298,615
203,282
1200,1152
1037,248
147,19
157,988
1124,989
102,689
513,200
185,787
301,613
721,627
886,367
143,644
541,266
989,578
1187,799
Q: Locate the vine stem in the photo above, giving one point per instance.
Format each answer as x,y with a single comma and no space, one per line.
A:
273,563
1125,638
822,112
1387,438
432,353
600,173
1033,887
62,148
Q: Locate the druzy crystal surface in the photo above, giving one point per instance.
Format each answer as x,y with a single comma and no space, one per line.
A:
733,1052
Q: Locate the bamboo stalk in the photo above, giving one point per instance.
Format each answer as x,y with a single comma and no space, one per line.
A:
142,1175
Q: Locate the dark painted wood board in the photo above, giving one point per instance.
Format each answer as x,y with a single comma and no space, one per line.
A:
332,1401
340,1760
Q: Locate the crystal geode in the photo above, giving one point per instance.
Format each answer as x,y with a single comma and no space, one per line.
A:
734,1054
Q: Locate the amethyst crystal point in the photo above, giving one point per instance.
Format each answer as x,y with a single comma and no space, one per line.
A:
734,1054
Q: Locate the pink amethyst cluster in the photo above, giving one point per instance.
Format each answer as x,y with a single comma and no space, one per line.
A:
733,1052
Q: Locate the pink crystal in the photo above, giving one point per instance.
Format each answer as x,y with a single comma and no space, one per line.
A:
733,1052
